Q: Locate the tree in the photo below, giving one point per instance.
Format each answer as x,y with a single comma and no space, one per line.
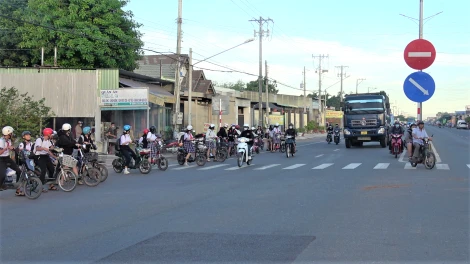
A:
89,34
10,53
254,87
401,117
238,86
21,111
333,101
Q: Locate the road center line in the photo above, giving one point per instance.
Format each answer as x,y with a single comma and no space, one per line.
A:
318,156
336,150
214,166
293,166
438,158
381,166
267,167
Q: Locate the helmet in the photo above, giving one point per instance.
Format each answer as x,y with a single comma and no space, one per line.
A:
246,125
290,124
66,127
8,130
127,128
212,126
86,130
253,128
54,132
146,131
237,127
190,127
336,124
25,133
226,125
420,123
276,125
47,132
153,129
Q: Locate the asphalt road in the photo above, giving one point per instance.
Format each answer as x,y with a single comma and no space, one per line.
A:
327,204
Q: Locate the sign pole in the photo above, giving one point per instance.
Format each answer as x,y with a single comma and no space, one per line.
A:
420,105
220,113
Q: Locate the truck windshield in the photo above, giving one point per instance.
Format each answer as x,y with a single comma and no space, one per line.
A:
367,105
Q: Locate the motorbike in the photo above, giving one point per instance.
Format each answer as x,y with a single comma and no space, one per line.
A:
141,163
256,144
98,164
336,136
90,175
397,145
200,155
426,156
159,160
329,137
28,181
242,149
221,153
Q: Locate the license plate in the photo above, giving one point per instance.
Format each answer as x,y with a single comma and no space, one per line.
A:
363,138
363,132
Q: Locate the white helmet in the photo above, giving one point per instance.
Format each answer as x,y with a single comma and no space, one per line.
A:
253,128
7,130
226,125
212,126
66,127
54,132
277,124
190,127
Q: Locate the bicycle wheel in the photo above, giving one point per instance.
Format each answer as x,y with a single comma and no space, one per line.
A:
92,177
32,187
288,150
67,180
162,163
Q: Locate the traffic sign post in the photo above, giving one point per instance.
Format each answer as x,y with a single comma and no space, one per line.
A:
419,54
419,87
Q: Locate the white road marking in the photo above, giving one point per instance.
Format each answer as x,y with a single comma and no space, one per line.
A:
309,144
336,150
438,158
402,156
293,167
352,166
267,167
442,167
318,156
381,166
409,167
468,165
418,54
323,166
238,168
214,166
172,165
184,167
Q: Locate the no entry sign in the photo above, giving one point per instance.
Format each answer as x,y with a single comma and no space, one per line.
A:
419,54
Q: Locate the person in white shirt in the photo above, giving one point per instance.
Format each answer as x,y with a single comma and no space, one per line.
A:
418,134
210,141
42,151
188,144
152,142
5,161
276,140
125,149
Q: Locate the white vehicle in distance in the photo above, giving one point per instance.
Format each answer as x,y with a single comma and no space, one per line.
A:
461,124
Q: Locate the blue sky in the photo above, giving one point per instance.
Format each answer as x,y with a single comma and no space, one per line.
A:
367,36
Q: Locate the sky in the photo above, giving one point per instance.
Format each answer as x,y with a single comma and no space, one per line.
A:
367,36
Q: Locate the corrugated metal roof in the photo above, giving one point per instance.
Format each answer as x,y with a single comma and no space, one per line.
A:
153,89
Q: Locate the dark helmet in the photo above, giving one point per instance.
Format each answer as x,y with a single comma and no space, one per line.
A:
420,123
153,129
25,133
290,124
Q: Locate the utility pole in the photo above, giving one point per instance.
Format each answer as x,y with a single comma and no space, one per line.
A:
267,91
320,72
358,81
178,62
190,86
260,33
341,75
305,94
420,105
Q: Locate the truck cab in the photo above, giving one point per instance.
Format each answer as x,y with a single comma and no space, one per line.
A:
366,119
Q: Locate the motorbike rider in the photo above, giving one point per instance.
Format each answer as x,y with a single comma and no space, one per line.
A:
152,142
247,133
127,152
42,151
85,139
222,132
210,141
276,140
143,138
270,136
396,130
231,138
291,132
418,134
409,139
5,161
329,130
188,144
259,131
26,146
68,143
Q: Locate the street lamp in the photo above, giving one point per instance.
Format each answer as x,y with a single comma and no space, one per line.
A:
190,75
370,89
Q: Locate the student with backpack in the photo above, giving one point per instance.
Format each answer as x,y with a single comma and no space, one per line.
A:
42,152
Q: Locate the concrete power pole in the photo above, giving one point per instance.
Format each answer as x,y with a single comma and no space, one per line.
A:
341,75
190,86
305,94
178,62
260,33
358,81
320,72
267,91
420,105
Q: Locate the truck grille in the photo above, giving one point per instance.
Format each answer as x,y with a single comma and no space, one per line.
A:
360,123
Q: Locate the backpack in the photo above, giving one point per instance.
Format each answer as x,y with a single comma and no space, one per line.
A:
144,141
118,144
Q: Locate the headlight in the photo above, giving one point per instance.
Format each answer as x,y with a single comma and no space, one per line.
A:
346,132
242,140
381,130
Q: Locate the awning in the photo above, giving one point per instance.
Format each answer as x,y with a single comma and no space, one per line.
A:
123,108
271,106
157,94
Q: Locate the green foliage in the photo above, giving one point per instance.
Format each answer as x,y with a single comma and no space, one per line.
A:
21,111
301,129
311,125
11,53
253,86
238,86
92,33
333,101
401,117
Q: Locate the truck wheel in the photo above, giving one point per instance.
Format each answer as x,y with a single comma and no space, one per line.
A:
383,143
348,143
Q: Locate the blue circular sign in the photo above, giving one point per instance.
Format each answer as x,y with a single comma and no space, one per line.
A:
419,87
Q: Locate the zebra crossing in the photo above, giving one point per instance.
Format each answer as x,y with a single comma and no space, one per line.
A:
323,166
